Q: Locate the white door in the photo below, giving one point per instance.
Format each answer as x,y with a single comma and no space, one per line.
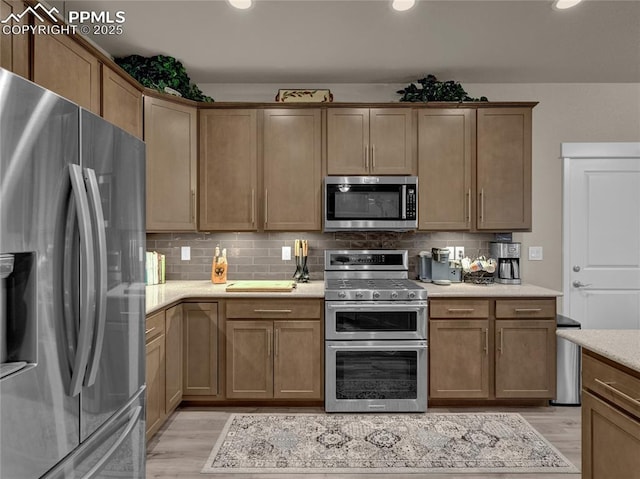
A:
601,237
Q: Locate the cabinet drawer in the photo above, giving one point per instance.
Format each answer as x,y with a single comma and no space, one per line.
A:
154,326
526,308
614,385
459,308
274,308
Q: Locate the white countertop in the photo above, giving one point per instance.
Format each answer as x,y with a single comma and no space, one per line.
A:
161,295
619,345
471,290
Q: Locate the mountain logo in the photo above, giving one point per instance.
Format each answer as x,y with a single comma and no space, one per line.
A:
39,11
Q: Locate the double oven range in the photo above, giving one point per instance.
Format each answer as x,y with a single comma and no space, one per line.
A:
375,333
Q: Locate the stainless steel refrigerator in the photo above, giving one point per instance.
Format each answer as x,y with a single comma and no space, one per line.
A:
72,304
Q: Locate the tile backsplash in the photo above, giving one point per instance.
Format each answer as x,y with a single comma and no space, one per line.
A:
258,255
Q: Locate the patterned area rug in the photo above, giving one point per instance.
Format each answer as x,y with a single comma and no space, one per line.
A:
399,443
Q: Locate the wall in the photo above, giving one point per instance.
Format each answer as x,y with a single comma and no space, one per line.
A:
258,255
565,113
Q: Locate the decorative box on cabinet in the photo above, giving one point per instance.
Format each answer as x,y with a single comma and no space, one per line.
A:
370,141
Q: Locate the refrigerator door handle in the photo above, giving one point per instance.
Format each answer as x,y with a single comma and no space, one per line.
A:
137,412
87,273
101,298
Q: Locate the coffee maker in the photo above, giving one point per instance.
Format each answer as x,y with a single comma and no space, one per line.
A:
508,257
434,266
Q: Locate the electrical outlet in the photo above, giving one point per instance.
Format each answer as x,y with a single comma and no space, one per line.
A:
459,250
535,253
286,253
185,253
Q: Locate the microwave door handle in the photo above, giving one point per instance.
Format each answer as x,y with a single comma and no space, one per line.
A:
404,202
87,273
101,252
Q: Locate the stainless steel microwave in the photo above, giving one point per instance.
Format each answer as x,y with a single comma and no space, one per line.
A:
365,203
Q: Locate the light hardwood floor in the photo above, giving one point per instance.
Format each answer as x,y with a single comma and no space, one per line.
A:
182,446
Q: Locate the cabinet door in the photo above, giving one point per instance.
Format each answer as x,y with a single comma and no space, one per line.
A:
155,379
391,141
200,368
348,141
292,169
249,359
504,169
121,102
298,372
446,162
171,137
14,49
525,358
228,170
173,354
66,68
459,358
610,441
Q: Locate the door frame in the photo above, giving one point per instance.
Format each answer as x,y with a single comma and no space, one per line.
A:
583,151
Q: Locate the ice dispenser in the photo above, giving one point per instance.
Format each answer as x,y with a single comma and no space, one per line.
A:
17,312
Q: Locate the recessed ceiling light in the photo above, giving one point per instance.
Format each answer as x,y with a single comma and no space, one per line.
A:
241,4
564,4
403,5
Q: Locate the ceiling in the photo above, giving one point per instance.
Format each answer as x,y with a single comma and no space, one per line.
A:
365,41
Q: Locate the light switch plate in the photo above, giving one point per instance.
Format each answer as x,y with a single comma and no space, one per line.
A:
185,253
286,253
535,253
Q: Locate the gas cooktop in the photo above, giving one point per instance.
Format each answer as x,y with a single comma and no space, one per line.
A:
376,289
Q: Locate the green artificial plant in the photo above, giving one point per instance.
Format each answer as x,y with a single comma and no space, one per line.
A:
162,71
430,89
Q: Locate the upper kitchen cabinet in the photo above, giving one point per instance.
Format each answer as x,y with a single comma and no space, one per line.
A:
504,169
292,169
121,102
14,48
228,169
370,141
446,168
170,132
64,66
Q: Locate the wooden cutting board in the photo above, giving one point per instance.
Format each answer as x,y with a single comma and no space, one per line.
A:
265,286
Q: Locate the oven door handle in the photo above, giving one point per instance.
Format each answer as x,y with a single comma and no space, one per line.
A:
377,307
393,347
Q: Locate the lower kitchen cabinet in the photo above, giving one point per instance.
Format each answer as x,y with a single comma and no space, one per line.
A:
268,357
200,368
610,420
460,348
173,354
492,349
155,372
525,358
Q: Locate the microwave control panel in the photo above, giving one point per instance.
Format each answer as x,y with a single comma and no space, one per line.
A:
411,203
